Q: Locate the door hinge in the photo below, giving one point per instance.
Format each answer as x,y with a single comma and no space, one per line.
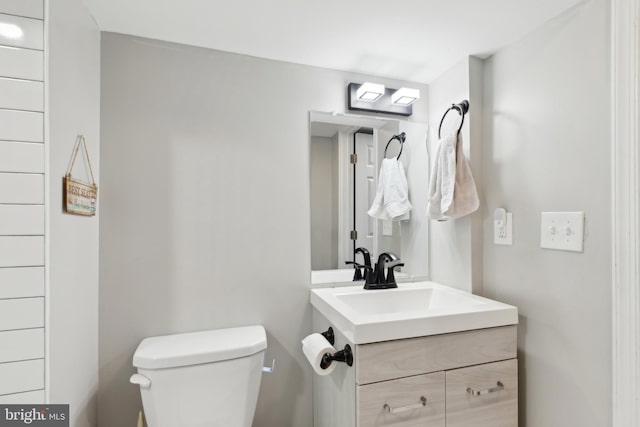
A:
353,158
354,235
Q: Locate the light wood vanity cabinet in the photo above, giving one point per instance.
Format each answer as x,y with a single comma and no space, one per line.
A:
497,404
462,379
404,402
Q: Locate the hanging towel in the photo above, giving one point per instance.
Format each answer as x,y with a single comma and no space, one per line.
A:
452,190
465,194
392,196
443,177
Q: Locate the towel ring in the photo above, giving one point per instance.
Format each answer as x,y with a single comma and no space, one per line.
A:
462,109
400,138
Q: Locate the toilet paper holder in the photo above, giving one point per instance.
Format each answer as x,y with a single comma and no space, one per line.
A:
345,355
329,336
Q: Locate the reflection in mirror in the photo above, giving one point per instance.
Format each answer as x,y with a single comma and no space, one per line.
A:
346,151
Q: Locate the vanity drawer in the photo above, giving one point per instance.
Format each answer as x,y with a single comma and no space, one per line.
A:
398,403
414,356
483,396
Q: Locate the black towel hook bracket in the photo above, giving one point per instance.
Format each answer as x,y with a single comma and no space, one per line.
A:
400,138
462,108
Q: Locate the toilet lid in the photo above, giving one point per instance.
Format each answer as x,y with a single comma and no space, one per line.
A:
194,348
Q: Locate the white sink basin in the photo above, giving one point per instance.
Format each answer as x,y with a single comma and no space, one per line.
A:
343,275
411,310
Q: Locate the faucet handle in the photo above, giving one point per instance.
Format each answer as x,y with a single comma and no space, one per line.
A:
357,275
391,278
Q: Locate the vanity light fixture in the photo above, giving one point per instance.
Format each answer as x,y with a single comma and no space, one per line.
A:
370,92
405,96
377,98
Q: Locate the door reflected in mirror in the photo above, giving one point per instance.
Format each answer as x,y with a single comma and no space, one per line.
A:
345,155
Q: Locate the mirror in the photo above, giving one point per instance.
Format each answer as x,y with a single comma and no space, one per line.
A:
345,154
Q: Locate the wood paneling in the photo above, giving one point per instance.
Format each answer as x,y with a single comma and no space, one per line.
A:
28,8
399,394
21,313
21,376
23,157
21,63
23,344
21,251
495,409
21,188
22,32
21,126
401,358
29,397
19,94
21,282
21,220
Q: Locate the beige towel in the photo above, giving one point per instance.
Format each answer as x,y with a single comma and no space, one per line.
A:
465,195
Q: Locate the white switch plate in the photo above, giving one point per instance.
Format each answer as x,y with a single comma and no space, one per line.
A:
387,228
563,231
504,235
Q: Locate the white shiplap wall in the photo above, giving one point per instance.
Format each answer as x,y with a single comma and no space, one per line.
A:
22,210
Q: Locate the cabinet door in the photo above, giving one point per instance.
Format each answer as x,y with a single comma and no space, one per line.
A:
405,402
483,395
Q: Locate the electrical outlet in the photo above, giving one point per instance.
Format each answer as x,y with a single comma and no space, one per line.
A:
503,230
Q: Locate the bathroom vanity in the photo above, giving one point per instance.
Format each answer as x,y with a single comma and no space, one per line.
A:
435,356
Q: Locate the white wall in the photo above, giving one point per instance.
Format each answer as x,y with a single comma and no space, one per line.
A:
547,148
22,205
324,202
74,107
205,208
455,246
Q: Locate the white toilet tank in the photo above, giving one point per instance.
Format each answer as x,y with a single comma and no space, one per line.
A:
201,379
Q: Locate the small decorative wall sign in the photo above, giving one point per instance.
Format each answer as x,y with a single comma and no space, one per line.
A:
79,197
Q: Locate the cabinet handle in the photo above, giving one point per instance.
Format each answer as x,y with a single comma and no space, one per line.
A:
499,386
423,402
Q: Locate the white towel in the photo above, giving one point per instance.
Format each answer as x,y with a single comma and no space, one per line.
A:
392,196
452,190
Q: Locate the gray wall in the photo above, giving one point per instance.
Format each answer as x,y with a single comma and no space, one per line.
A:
324,203
74,107
205,208
455,246
547,148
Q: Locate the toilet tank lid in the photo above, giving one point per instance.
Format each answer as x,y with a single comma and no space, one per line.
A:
194,348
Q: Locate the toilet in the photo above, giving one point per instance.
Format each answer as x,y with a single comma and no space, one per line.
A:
201,379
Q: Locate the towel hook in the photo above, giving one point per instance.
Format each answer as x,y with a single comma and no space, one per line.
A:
462,108
400,138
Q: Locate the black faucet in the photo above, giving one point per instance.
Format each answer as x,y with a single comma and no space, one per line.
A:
376,278
358,274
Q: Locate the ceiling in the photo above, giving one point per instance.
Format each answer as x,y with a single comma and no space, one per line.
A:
414,40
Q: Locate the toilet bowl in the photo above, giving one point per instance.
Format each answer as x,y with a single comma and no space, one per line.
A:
201,379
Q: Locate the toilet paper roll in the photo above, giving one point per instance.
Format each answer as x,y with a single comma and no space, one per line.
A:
314,346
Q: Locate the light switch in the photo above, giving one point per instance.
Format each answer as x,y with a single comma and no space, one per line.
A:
563,231
387,228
